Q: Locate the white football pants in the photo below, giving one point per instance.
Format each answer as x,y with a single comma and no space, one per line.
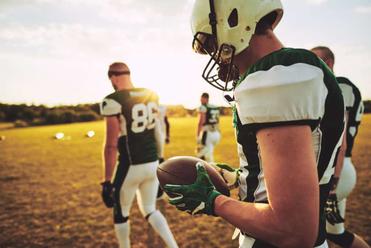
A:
347,182
141,180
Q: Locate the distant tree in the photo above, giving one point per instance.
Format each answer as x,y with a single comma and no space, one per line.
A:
88,116
2,116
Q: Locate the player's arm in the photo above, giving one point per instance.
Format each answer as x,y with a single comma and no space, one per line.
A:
341,155
167,125
158,136
291,217
201,122
110,146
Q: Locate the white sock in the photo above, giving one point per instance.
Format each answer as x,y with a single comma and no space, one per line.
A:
159,223
122,233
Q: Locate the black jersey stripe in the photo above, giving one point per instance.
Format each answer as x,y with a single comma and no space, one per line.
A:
352,123
120,175
329,127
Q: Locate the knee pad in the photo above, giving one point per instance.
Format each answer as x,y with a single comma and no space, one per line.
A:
344,240
119,219
149,215
148,209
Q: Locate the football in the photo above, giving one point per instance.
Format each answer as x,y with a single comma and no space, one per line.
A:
182,170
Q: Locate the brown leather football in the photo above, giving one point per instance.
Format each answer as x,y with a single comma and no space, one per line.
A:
181,170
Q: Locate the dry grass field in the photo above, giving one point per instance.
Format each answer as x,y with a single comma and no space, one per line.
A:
50,192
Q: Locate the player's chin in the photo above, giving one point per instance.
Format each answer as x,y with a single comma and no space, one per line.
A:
227,74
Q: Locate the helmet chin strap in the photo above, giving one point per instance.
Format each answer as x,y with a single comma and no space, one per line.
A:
228,98
212,19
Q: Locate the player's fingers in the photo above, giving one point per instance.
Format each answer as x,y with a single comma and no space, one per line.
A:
225,167
172,188
182,207
202,176
176,200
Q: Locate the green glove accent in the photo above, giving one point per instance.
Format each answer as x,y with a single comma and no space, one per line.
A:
196,198
230,175
225,167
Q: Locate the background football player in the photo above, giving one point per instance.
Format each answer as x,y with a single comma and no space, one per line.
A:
165,139
208,133
289,119
132,133
345,174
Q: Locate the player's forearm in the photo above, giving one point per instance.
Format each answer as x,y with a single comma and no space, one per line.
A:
199,129
167,124
109,158
342,152
260,221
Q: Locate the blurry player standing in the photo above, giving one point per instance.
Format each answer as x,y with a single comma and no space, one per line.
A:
164,128
208,134
345,174
164,139
132,133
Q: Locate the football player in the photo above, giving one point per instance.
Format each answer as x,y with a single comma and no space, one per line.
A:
164,128
132,133
345,174
208,134
289,120
165,139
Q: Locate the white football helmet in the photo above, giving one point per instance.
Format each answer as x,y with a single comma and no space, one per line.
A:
223,29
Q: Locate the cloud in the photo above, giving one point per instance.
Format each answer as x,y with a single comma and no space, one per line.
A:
317,2
363,9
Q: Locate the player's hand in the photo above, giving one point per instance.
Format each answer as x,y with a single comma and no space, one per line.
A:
107,194
167,140
230,175
332,210
196,198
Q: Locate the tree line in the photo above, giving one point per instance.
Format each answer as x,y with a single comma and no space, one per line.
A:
33,115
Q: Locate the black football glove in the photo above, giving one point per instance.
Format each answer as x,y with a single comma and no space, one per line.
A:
332,210
160,160
107,194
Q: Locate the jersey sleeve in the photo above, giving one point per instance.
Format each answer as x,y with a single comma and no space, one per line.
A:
202,109
282,95
348,95
110,107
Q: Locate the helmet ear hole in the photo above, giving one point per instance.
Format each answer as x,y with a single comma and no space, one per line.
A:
233,18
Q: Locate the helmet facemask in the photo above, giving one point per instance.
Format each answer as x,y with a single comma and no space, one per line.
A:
220,71
221,32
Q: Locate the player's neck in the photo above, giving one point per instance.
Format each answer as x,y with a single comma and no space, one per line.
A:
124,85
259,47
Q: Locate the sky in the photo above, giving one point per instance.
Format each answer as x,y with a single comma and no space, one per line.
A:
57,51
